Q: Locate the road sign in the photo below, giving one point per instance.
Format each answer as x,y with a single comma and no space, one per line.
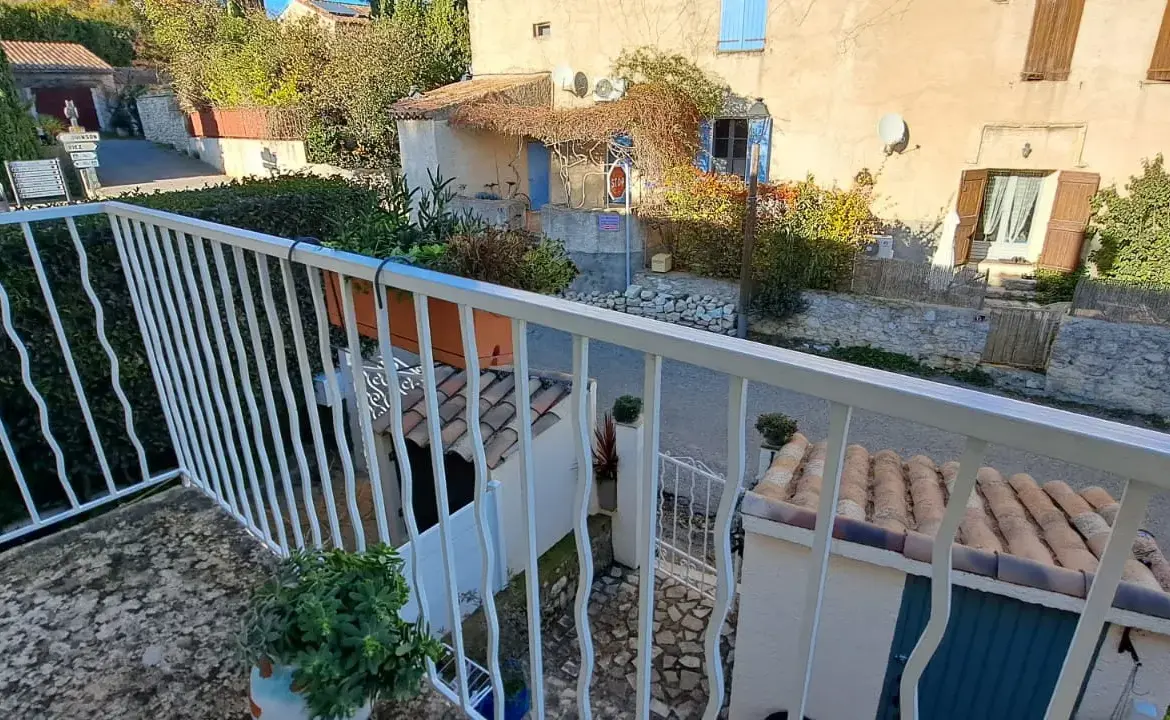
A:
79,137
80,146
616,185
83,156
85,163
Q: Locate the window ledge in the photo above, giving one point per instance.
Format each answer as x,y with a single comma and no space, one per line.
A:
753,51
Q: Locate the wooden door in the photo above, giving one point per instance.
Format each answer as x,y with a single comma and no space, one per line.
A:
538,175
970,204
1071,209
1021,337
51,101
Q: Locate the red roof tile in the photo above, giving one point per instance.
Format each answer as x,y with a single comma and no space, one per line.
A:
52,57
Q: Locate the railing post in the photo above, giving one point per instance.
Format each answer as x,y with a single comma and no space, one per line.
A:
627,524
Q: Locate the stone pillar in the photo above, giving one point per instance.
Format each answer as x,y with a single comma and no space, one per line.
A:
626,525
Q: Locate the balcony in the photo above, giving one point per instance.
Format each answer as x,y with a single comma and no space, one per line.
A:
266,430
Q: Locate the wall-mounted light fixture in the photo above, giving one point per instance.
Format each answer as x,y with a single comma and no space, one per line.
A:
1027,150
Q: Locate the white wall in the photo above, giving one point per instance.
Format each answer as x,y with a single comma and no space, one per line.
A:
859,614
1111,672
244,157
473,158
850,661
468,565
554,461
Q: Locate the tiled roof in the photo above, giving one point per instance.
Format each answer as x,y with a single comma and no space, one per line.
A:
497,407
52,57
1015,529
344,9
531,89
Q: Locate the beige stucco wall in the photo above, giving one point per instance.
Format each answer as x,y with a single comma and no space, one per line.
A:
474,158
832,68
243,157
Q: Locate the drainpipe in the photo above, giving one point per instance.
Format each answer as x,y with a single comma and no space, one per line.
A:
629,189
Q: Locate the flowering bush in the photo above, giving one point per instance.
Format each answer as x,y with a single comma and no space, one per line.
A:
806,234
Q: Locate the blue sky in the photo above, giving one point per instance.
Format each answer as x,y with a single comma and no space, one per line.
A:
275,6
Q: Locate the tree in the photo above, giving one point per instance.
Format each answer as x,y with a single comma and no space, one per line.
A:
18,134
1134,228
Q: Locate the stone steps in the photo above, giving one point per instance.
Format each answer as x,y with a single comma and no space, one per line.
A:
1004,293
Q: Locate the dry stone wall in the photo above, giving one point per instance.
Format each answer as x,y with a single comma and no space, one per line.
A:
669,303
1116,365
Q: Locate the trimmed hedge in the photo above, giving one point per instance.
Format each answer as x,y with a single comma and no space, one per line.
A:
18,134
287,206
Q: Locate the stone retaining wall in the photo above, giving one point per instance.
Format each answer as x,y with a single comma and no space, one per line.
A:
667,303
1115,365
937,335
162,121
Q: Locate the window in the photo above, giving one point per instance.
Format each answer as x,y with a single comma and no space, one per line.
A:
1160,63
741,25
729,146
1009,204
542,30
1054,37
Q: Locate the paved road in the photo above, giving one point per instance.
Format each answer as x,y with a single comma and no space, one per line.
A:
694,419
128,165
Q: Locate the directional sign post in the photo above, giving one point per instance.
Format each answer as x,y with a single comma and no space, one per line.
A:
73,147
79,137
80,164
83,156
82,149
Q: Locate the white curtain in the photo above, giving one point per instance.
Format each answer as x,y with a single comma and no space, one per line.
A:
1023,202
994,204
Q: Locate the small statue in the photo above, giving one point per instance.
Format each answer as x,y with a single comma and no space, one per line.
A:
71,113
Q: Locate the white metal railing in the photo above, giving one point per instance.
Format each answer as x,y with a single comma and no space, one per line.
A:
686,547
224,443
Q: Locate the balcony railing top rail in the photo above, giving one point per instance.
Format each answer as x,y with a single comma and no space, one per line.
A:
177,287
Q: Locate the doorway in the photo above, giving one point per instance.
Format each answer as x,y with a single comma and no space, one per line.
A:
538,174
51,101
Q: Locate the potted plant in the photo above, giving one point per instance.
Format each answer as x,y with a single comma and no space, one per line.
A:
517,701
777,429
325,639
627,409
446,242
605,463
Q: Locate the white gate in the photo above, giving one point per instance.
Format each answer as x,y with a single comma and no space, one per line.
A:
688,496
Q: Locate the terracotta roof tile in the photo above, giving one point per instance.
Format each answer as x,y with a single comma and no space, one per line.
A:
531,89
1047,536
52,57
497,408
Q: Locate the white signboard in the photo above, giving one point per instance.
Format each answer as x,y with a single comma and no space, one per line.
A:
83,156
85,163
80,146
79,137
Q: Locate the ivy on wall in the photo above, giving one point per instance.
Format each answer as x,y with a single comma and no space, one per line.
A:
1134,228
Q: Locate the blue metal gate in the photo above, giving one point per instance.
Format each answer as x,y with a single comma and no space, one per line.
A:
999,658
538,175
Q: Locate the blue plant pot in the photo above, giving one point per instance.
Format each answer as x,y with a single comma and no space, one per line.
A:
515,707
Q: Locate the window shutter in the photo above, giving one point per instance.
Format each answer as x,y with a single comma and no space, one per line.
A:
971,188
1160,63
731,25
1071,210
760,133
1055,25
703,157
742,25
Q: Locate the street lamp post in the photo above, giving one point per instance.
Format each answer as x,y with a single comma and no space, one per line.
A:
758,111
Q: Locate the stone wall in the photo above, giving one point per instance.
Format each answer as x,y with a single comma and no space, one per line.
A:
1115,365
938,335
600,255
162,122
668,303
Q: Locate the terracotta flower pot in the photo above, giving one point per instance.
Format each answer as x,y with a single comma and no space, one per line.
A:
493,333
272,696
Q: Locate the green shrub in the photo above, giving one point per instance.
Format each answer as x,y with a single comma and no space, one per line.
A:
777,428
1053,286
627,408
287,206
877,358
335,617
108,30
18,133
1134,227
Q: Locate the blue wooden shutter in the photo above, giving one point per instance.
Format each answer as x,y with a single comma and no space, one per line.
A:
703,158
755,17
760,133
742,25
731,25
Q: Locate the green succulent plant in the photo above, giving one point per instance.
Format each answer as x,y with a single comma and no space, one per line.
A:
334,616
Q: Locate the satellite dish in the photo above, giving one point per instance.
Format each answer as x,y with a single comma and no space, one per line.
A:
892,129
563,77
580,84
